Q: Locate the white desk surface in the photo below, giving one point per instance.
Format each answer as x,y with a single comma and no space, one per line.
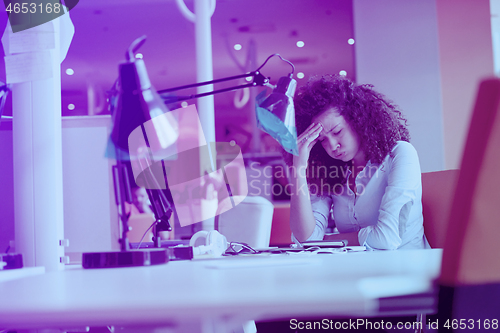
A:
13,274
228,289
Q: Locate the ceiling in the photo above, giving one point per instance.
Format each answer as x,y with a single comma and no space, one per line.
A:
104,30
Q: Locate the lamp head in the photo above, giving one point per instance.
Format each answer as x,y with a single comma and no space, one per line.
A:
276,113
138,104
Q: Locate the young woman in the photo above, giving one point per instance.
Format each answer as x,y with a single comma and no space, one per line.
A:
355,168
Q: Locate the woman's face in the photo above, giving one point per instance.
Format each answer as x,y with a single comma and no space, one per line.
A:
338,139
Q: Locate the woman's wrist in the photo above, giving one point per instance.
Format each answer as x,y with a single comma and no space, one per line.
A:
298,169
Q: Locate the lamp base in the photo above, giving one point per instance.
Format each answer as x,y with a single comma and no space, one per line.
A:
132,258
11,260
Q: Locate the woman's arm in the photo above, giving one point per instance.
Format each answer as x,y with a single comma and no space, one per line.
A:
302,221
402,191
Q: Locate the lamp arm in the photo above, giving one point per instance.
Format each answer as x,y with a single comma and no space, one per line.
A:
185,98
253,74
258,80
159,203
122,196
162,210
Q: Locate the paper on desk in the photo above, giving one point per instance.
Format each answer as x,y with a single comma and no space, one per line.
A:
38,38
29,66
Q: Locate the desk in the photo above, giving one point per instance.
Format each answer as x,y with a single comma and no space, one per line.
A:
223,292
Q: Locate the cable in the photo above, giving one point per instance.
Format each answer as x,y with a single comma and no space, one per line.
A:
244,248
277,54
145,233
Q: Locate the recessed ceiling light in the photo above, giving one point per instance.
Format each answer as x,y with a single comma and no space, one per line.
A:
300,75
300,43
71,106
70,71
350,41
184,104
237,47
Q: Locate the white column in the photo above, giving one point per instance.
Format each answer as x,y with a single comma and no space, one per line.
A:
204,66
204,72
34,70
495,33
203,10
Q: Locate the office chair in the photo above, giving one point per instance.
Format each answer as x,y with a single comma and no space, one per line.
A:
438,189
470,274
248,222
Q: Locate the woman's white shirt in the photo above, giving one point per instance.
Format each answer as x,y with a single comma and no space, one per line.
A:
387,209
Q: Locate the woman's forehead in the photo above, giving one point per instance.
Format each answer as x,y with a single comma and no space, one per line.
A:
330,117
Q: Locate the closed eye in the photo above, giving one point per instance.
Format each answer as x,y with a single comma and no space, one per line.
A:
331,131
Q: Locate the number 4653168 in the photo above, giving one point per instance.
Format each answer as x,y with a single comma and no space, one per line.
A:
34,8
462,324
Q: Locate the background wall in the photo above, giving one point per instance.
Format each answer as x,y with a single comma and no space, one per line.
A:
428,57
397,51
466,57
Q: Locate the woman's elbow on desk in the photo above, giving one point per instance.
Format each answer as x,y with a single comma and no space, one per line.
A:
350,237
378,240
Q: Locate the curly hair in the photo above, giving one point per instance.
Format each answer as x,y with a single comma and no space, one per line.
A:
378,122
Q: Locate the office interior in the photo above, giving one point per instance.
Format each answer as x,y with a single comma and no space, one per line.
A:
428,56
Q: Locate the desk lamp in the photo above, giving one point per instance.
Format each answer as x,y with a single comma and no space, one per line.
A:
138,103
